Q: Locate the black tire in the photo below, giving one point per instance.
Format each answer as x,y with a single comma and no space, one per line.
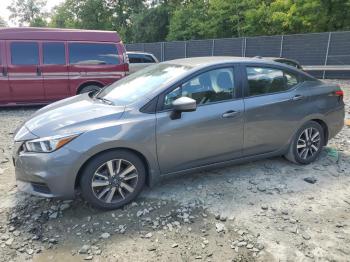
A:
88,89
94,164
294,154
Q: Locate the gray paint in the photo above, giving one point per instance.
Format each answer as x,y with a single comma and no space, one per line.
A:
263,127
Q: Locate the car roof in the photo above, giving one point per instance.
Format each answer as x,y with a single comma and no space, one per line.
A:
138,53
33,33
277,58
216,60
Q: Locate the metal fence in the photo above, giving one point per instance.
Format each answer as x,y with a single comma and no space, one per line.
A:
331,48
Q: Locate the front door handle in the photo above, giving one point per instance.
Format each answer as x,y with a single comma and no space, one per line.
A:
230,113
38,71
297,97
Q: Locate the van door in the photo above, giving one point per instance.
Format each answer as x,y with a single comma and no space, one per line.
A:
54,69
5,94
95,63
24,73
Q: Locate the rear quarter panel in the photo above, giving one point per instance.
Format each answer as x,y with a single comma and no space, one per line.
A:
324,105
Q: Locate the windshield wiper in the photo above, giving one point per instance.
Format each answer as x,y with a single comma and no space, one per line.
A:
104,100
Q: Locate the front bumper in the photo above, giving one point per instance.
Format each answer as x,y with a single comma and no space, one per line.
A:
46,174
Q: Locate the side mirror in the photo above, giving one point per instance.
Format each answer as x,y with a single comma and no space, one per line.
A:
183,104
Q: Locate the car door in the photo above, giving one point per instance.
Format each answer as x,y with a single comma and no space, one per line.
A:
273,107
213,133
54,70
5,94
25,79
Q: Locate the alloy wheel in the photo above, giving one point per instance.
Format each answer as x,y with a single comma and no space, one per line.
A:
308,143
114,180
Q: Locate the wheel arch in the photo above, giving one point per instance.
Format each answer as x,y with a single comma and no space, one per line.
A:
324,126
139,154
89,83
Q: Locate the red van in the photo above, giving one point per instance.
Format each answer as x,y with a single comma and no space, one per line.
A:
41,65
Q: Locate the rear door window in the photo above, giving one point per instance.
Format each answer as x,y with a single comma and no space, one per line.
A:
24,53
264,80
140,58
93,54
148,59
54,54
135,58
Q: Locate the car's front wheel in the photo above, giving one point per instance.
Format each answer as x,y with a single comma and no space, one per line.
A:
307,144
112,179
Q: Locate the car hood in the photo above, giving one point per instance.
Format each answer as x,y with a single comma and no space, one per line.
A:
73,115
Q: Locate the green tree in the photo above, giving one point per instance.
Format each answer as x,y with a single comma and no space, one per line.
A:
189,21
150,25
123,11
85,14
28,12
229,17
297,16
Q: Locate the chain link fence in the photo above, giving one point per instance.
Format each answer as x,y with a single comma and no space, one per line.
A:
331,48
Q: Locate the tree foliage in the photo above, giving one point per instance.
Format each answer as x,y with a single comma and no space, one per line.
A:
160,20
28,12
2,22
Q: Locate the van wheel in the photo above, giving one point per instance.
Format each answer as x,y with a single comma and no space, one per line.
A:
307,144
88,89
112,179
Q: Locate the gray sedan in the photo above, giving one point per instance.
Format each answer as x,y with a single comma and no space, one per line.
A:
174,117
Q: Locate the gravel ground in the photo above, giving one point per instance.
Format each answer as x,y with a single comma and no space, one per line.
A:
260,211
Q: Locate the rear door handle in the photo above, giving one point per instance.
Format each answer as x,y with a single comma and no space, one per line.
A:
230,113
297,97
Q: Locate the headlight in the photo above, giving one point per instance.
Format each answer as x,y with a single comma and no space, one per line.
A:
48,144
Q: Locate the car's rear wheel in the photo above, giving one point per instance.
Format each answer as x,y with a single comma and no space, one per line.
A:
88,89
112,179
307,144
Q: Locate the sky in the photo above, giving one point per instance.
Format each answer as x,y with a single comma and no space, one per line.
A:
4,13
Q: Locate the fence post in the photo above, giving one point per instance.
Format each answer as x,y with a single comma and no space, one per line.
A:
162,51
185,49
326,58
281,48
212,47
244,46
143,47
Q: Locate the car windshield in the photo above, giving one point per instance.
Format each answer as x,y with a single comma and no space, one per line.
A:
136,86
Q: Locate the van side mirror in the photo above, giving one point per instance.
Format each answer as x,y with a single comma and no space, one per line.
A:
183,104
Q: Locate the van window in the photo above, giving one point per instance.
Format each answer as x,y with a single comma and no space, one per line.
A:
93,54
24,53
54,54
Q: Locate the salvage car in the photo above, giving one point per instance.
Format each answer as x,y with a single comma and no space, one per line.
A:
174,117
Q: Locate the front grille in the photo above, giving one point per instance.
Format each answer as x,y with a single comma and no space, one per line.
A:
41,188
